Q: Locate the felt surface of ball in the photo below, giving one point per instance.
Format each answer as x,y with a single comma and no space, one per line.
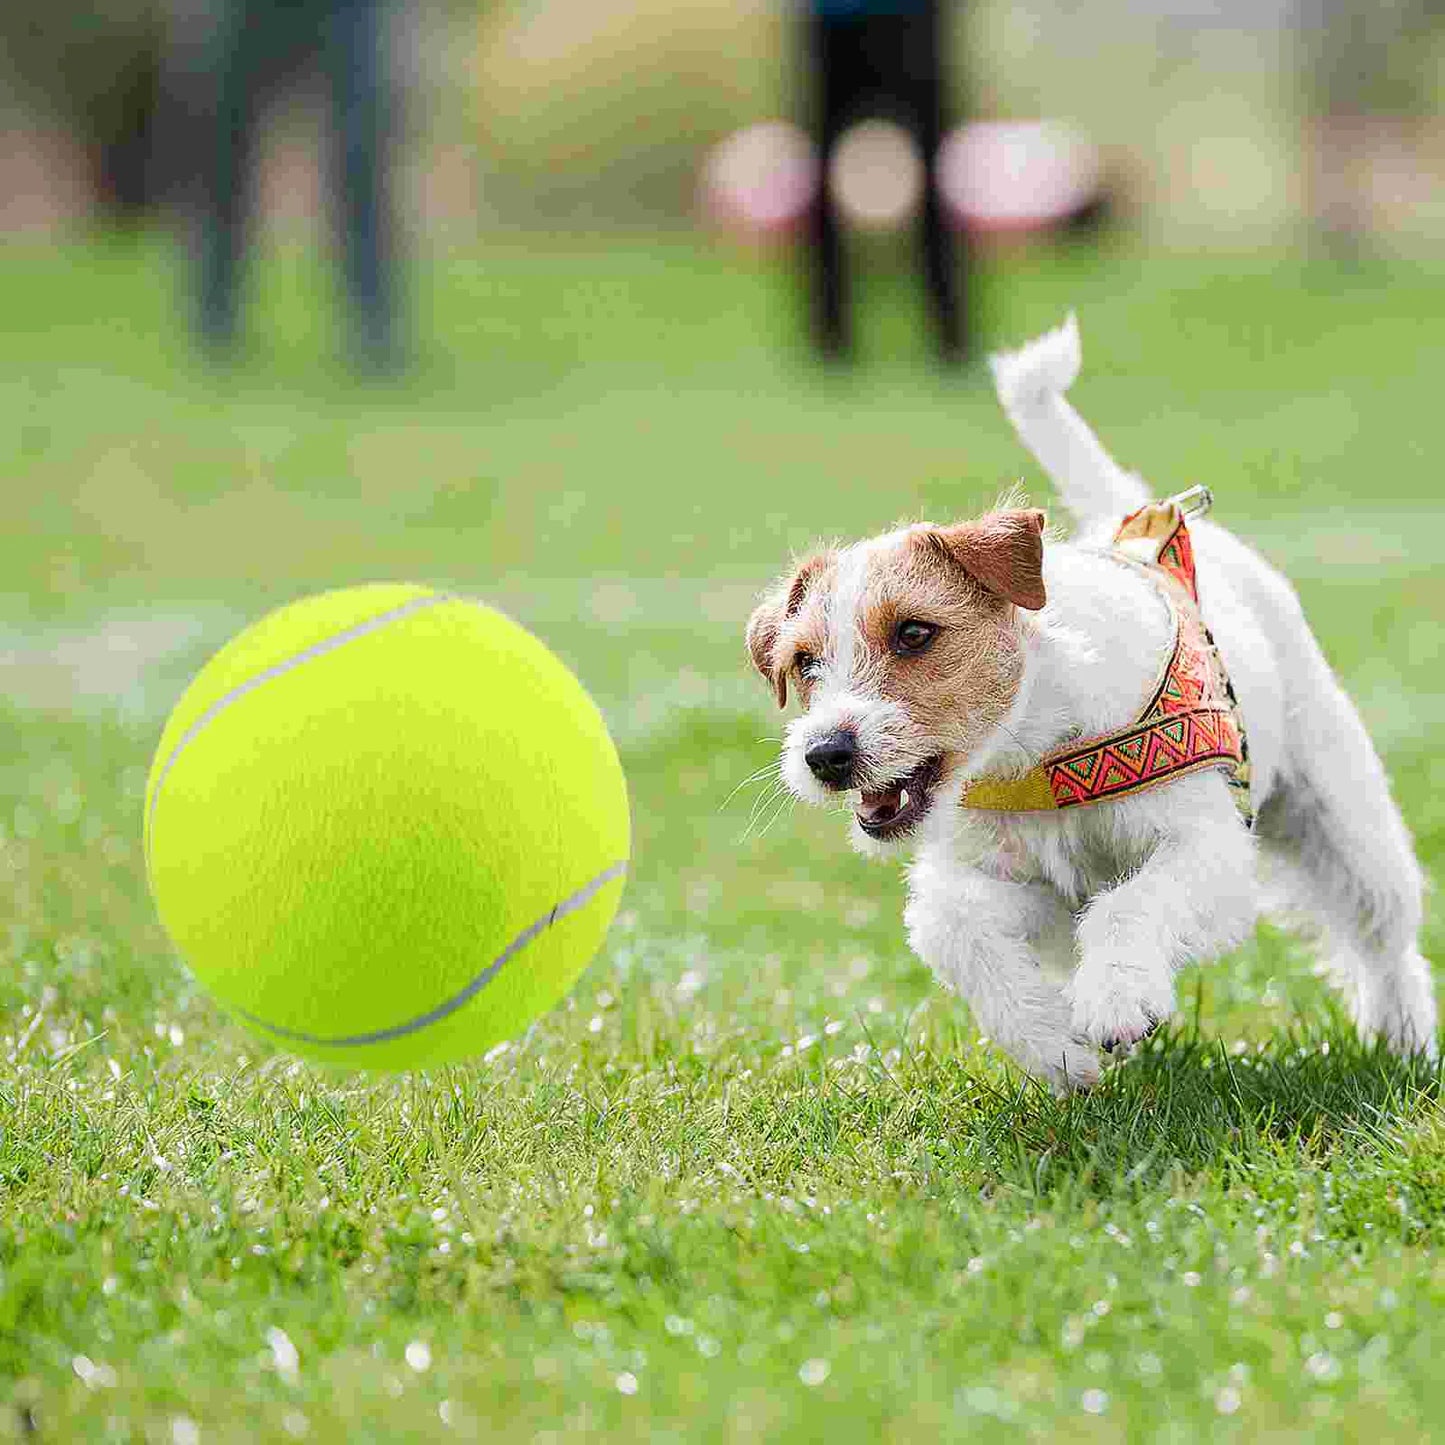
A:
386,827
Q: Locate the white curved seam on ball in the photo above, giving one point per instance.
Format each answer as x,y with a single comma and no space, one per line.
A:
570,904
278,669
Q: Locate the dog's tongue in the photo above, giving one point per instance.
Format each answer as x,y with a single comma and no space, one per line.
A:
880,807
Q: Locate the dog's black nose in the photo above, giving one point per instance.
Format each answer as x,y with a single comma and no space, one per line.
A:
831,758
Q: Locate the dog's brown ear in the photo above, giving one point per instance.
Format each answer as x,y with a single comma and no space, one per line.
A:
762,637
768,618
1002,550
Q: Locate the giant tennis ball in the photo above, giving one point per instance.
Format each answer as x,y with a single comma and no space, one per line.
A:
386,826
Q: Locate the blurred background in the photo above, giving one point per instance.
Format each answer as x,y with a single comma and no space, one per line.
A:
1208,122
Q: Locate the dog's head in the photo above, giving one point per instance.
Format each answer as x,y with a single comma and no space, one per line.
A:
906,652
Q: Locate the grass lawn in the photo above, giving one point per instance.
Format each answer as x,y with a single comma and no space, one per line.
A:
758,1177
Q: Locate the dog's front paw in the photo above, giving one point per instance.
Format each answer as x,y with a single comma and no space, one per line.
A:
1114,1007
1075,1070
1066,1064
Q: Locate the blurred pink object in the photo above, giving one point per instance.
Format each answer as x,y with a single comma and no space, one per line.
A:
876,176
1017,176
760,182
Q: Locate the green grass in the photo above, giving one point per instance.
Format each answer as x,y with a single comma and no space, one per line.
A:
758,1177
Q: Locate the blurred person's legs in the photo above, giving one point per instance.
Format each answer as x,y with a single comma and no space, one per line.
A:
837,54
924,72
355,71
249,46
236,53
869,61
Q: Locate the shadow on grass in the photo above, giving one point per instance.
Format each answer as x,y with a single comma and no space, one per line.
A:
1184,1103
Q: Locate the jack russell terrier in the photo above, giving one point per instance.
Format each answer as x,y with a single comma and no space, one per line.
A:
1095,783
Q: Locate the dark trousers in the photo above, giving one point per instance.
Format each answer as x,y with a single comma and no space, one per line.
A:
888,66
251,45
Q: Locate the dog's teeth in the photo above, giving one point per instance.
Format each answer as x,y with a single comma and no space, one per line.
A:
902,799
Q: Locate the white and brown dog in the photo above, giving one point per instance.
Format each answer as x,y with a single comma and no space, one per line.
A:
934,657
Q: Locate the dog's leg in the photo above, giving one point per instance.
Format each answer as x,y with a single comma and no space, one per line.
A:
1332,819
977,935
1194,897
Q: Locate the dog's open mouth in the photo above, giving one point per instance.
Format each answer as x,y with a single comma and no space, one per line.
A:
890,812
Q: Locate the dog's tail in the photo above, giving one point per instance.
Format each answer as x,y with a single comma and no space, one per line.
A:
1031,383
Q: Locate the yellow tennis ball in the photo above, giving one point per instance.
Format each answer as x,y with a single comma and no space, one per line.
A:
386,827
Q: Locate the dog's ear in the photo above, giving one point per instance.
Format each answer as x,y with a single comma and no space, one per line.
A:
1004,551
767,621
762,637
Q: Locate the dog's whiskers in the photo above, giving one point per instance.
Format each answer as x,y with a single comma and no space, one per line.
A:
770,798
772,769
785,802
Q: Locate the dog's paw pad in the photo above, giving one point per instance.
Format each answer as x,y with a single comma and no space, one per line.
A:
1121,1043
1114,1018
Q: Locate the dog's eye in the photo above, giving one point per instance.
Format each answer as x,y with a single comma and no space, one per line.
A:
806,664
913,636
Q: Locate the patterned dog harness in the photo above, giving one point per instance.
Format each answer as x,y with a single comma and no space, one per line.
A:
1190,719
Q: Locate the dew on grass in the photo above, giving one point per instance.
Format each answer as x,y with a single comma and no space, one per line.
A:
92,1375
1227,1400
185,1431
445,1413
814,1372
295,1424
1094,1402
1334,1320
284,1355
1191,1277
418,1355
627,1383
1322,1366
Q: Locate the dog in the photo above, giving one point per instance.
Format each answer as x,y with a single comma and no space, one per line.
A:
933,660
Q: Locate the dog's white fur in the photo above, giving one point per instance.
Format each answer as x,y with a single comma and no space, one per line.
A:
1063,930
